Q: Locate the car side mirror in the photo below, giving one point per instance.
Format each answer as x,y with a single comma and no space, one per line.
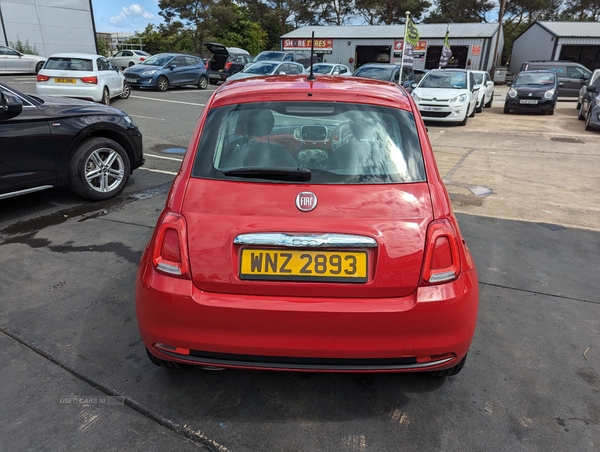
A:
591,89
508,83
583,81
489,83
560,84
10,106
172,66
476,88
282,73
413,86
336,73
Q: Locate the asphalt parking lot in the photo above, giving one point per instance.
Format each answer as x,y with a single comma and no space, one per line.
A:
526,189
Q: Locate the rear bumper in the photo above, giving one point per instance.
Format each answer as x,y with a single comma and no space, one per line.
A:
431,329
87,92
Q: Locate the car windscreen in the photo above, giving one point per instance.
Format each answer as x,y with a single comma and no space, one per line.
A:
69,64
157,60
377,73
324,143
531,78
261,68
274,56
444,79
322,68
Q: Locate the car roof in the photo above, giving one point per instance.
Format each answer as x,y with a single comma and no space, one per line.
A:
379,65
324,88
76,55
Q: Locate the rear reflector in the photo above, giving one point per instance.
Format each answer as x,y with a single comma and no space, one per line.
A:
442,256
170,253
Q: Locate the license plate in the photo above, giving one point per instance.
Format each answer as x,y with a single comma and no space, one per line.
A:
130,80
304,265
528,101
64,80
432,108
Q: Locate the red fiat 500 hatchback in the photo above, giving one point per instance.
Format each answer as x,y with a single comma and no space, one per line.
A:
308,230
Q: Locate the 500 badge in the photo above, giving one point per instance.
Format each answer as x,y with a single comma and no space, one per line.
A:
303,265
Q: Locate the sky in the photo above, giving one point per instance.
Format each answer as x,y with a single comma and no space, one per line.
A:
125,16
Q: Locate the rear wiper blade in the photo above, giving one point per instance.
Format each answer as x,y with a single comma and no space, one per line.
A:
274,173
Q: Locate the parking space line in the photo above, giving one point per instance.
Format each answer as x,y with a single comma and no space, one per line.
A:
170,101
158,171
163,157
146,117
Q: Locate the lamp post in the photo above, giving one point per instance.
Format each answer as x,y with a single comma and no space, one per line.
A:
500,17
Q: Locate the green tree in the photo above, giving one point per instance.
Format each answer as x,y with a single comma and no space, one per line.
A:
332,12
390,12
460,11
23,47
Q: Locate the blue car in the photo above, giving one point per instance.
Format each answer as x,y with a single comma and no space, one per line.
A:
166,70
589,111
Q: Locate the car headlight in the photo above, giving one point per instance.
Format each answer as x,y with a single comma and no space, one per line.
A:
153,71
415,97
512,93
129,120
548,94
459,99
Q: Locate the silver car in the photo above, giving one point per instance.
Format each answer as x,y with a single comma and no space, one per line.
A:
127,58
13,61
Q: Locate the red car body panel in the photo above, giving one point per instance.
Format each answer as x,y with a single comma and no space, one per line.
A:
214,318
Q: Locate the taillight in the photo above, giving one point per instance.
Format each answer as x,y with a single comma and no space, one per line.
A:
42,78
228,65
91,80
442,255
170,253
142,58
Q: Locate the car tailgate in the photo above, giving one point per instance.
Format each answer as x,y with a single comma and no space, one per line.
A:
393,217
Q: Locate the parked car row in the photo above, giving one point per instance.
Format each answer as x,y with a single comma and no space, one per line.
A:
453,95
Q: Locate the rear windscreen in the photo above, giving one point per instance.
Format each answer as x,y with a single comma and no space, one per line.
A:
331,142
69,64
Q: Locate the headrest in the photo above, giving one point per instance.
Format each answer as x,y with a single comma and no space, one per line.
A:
259,123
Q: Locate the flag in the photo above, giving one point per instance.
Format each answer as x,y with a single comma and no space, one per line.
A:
407,52
412,33
446,51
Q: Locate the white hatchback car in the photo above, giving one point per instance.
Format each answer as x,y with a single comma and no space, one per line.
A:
331,69
127,58
446,95
485,95
82,76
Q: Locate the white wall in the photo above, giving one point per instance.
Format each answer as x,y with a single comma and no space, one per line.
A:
536,43
52,26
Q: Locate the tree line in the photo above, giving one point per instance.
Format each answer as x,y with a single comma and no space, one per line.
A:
257,25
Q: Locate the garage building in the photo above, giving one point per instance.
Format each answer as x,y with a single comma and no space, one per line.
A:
573,41
473,44
48,26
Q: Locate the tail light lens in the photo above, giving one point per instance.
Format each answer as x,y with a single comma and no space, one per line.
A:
170,251
142,58
228,65
91,80
442,254
42,78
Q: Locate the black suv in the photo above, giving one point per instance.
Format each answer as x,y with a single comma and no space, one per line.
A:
225,61
51,141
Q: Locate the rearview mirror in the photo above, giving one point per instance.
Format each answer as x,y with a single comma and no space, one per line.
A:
10,106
